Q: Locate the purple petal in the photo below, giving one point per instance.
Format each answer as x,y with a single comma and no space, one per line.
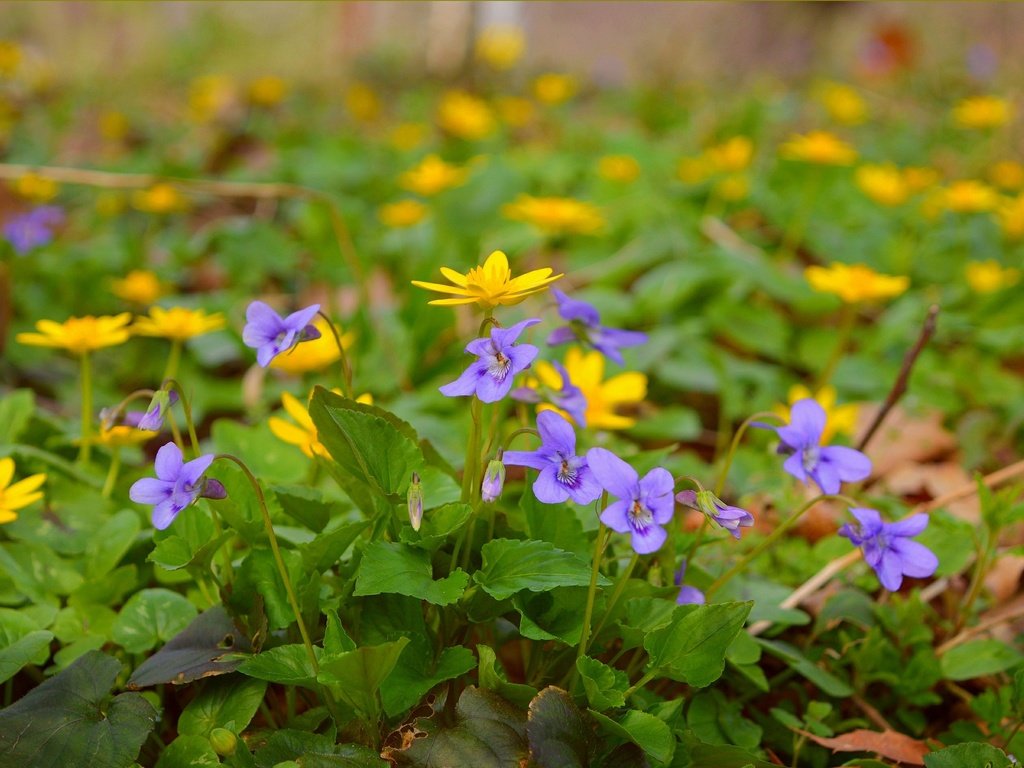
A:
149,490
262,324
481,347
525,395
168,462
911,526
192,471
656,494
587,489
491,391
849,464
890,571
614,475
690,596
870,520
299,319
466,384
616,516
795,466
687,498
556,433
574,309
521,356
917,560
806,423
561,335
546,487
503,337
649,540
826,476
265,353
531,459
164,514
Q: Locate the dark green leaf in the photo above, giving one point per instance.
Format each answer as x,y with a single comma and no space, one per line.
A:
552,615
556,733
150,617
16,410
648,732
512,565
225,702
285,664
304,504
970,755
311,750
393,568
493,678
110,543
826,681
188,752
359,674
438,524
415,674
692,648
31,648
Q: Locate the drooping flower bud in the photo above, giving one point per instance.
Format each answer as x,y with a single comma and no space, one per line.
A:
213,489
729,517
414,498
162,400
494,480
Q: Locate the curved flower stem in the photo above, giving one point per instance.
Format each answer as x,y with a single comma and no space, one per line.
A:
517,433
346,369
186,406
268,525
115,414
173,360
115,467
847,320
175,432
770,539
600,542
620,587
737,436
641,683
85,448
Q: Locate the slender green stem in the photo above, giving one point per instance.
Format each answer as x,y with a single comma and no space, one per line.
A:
770,539
977,581
115,415
346,369
600,542
115,467
847,321
517,433
173,360
186,406
620,587
472,451
740,431
641,683
85,449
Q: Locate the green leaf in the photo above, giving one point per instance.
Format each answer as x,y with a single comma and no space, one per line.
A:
71,720
16,410
493,678
648,732
969,755
285,664
31,648
150,617
438,524
225,702
258,578
556,733
311,750
556,524
702,755
304,504
398,569
415,674
978,658
366,441
513,565
552,615
328,547
360,673
190,542
188,752
799,663
110,543
603,685
692,648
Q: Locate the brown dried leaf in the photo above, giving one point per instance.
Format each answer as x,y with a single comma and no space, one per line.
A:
891,744
933,480
904,439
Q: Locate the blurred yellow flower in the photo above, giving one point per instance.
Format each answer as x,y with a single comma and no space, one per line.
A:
316,354
819,147
404,213
36,188
267,91
885,184
620,168
843,103
139,286
490,285
10,57
79,335
406,136
980,112
464,116
990,276
694,170
854,283
113,126
604,398
839,419
918,178
177,323
362,103
122,436
731,155
20,494
1010,216
433,175
554,88
969,196
1007,174
501,46
555,215
733,188
515,111
110,203
160,198
211,97
303,432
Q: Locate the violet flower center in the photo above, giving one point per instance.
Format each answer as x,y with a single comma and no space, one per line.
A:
811,457
498,367
640,518
568,471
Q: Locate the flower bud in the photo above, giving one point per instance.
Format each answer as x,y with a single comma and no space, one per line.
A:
494,480
414,498
153,420
223,741
213,489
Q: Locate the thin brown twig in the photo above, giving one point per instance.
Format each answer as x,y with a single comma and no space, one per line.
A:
1001,617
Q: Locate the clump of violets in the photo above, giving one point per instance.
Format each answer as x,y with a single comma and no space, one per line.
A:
644,504
270,334
827,465
585,327
33,229
568,397
728,517
563,474
499,360
888,547
177,485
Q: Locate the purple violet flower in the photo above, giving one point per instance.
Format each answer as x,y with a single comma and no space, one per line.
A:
644,504
499,360
176,485
585,327
828,465
569,398
729,517
563,474
687,595
162,401
887,546
270,334
34,229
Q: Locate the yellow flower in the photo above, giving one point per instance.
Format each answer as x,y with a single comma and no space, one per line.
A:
989,276
138,286
919,179
10,57
21,494
160,198
80,334
980,112
267,91
404,213
433,175
490,285
362,103
556,215
819,147
969,196
1007,174
731,155
303,433
177,323
515,110
620,168
1010,216
694,170
733,188
843,103
604,398
854,283
554,88
465,116
500,47
122,436
406,136
313,355
885,184
839,419
36,188
211,97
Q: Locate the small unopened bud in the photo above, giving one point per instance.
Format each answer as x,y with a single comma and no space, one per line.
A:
223,741
153,419
494,480
213,489
414,497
